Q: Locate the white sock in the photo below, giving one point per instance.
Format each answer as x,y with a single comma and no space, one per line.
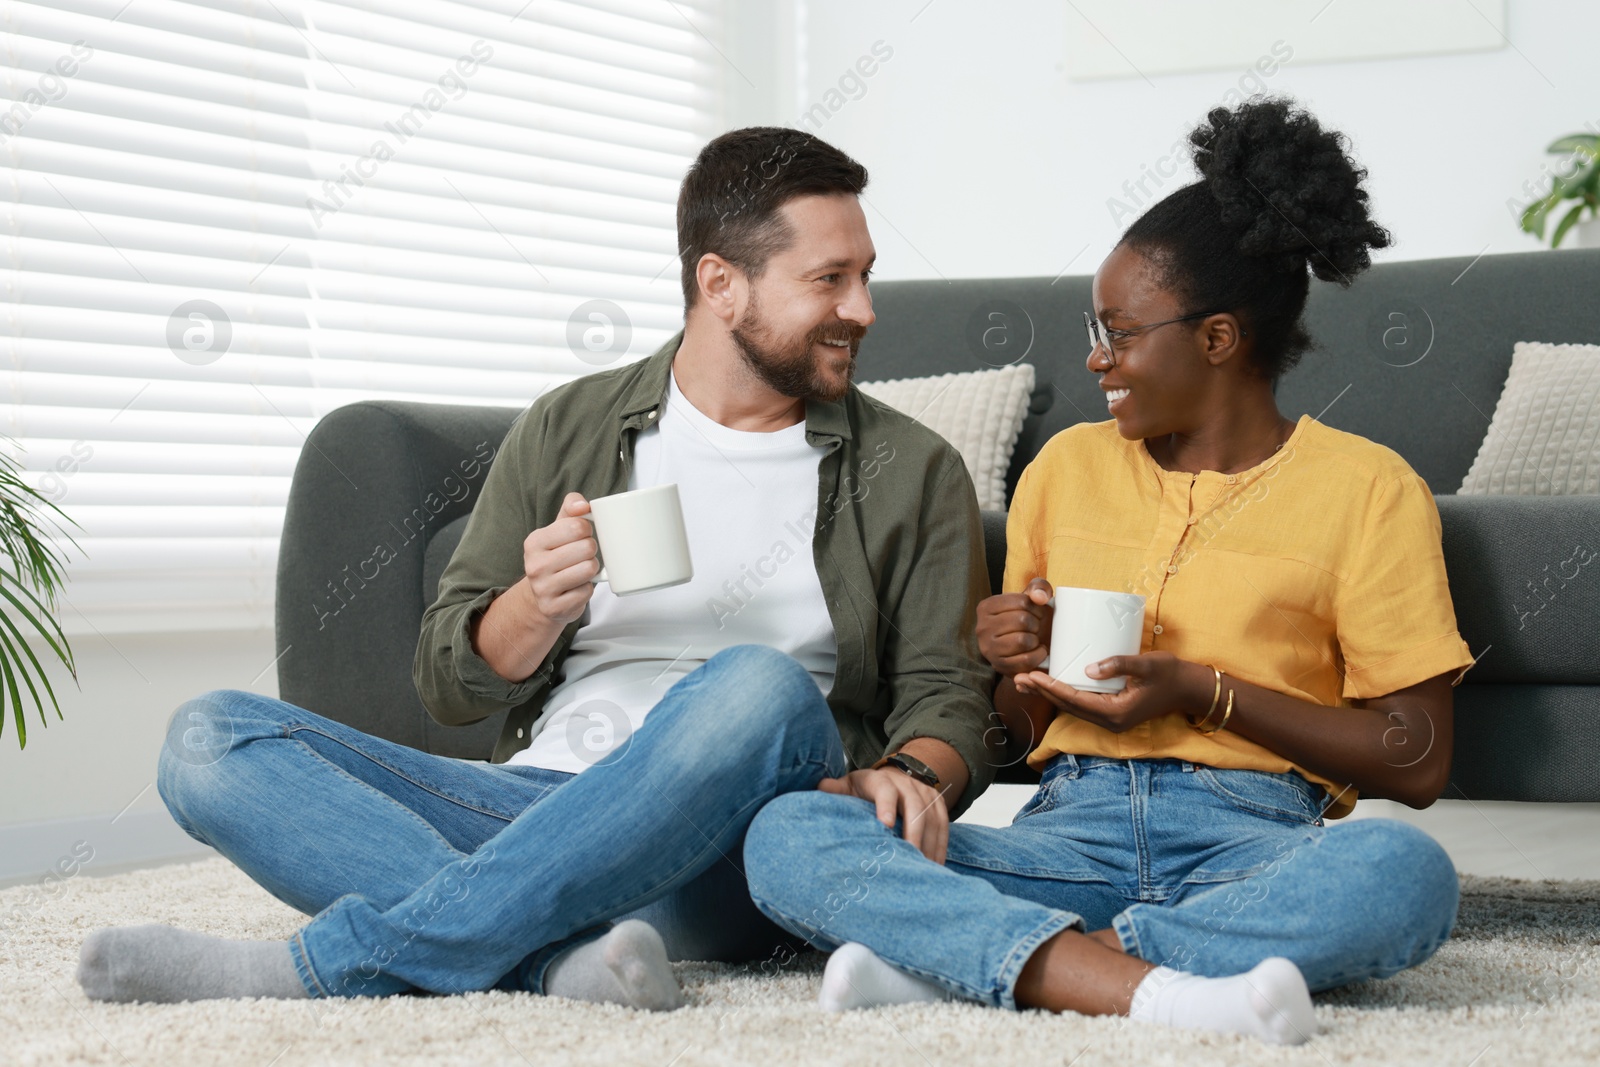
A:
856,978
1270,1002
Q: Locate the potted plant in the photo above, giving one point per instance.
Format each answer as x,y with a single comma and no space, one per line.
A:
1582,185
31,560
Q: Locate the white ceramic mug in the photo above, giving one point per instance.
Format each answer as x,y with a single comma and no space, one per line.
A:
1091,625
643,543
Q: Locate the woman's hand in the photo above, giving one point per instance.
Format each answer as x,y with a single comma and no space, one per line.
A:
1014,628
1158,683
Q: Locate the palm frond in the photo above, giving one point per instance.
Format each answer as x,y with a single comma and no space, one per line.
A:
31,526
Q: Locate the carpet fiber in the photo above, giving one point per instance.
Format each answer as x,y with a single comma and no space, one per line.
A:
1518,984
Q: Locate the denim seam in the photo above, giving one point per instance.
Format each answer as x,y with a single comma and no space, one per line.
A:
302,966
821,764
1128,935
1054,874
397,773
1255,807
1137,810
1017,959
1220,877
1003,995
432,829
536,978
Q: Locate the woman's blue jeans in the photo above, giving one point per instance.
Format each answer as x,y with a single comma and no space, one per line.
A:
1202,870
427,873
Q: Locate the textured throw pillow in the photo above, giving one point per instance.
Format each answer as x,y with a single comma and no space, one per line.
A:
1544,438
979,412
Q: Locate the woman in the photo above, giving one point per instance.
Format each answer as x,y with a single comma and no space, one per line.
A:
1299,649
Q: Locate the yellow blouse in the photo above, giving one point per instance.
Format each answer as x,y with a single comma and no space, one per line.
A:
1317,574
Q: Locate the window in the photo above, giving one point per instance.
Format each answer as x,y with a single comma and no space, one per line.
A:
228,218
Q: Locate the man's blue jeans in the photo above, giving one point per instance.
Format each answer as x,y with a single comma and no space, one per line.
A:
1203,870
445,876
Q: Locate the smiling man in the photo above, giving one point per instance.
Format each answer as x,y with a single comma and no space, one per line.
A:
843,541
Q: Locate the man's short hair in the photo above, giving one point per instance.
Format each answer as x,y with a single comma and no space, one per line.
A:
729,200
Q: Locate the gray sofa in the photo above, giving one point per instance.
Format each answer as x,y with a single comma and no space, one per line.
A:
1413,356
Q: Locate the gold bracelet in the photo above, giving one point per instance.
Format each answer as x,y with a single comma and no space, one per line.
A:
1228,711
1215,696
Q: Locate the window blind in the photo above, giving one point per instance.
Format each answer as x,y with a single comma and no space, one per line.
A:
227,218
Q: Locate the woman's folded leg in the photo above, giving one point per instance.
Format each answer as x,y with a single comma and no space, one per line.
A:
823,867
1364,899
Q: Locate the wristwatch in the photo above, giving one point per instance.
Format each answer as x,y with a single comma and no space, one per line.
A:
912,766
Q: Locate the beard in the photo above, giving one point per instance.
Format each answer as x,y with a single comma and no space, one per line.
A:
789,366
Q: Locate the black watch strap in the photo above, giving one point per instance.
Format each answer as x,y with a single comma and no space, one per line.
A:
912,766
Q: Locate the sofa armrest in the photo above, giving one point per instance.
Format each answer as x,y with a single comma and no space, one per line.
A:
1525,580
375,481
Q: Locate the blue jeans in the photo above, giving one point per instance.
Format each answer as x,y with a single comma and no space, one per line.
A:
1203,870
426,873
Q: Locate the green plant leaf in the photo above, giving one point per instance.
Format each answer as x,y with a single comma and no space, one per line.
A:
63,651
22,669
7,624
16,702
1533,218
1576,142
1539,215
1568,220
30,527
18,710
1572,186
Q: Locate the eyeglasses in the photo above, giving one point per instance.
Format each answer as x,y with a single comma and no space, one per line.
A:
1102,336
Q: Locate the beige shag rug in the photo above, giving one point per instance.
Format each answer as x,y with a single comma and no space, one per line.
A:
1518,984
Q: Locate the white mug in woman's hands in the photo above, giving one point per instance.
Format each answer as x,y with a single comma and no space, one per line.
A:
1091,625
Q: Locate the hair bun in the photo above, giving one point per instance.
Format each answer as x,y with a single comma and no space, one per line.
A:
1288,187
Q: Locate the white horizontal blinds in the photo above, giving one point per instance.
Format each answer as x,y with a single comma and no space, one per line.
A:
411,199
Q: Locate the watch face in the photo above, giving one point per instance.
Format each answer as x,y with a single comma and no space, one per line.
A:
916,768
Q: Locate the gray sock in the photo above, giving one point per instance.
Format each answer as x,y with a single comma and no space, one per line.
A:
627,966
162,965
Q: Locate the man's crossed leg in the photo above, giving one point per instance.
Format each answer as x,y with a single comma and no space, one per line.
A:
515,912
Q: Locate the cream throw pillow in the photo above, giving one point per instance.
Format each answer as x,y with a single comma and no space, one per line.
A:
979,412
1544,438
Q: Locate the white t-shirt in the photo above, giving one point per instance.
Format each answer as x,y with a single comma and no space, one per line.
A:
749,505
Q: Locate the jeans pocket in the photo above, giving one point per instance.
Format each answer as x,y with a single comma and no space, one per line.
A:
1057,773
1283,797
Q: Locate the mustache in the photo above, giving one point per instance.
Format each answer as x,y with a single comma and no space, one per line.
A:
843,331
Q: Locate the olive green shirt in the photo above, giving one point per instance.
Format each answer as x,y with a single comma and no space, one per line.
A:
898,548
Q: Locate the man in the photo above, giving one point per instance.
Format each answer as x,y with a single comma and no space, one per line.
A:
837,549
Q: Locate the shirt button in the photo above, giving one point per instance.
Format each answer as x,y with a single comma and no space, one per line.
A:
1158,628
652,414
1193,521
1232,478
1172,569
519,731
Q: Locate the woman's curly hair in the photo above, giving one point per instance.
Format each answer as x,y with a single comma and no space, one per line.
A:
1278,197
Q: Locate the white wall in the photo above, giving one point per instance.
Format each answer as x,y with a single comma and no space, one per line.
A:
90,776
986,161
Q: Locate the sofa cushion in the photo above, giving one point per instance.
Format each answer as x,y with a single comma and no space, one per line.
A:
1544,437
979,412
